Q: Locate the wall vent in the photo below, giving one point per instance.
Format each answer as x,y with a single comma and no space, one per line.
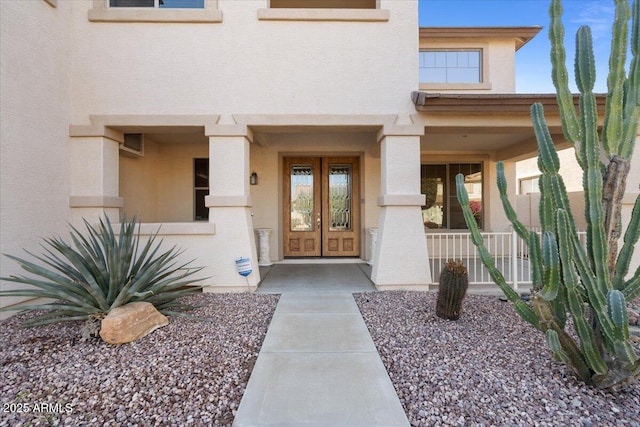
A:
133,144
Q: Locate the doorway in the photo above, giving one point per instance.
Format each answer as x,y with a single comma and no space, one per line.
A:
321,206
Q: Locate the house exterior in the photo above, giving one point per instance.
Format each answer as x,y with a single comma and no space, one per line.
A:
312,127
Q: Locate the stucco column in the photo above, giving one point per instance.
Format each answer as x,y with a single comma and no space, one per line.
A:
400,259
229,204
94,175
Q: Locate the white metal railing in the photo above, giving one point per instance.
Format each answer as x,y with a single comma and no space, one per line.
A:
509,252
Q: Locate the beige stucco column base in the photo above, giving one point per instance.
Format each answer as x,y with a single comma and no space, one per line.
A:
233,241
400,260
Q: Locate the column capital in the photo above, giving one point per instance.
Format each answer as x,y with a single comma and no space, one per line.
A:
229,131
400,130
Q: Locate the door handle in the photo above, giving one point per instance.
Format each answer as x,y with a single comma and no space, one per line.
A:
318,220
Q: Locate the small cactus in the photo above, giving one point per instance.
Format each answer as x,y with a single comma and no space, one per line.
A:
452,289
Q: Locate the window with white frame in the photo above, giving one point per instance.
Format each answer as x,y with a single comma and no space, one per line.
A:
450,66
150,11
169,4
438,184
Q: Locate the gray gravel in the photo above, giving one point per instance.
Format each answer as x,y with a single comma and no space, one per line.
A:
489,368
187,373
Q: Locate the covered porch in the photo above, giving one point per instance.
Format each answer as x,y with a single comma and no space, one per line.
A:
221,187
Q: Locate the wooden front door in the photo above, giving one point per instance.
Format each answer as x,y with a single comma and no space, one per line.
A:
321,206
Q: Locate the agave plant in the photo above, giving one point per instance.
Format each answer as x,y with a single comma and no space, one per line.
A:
590,285
101,271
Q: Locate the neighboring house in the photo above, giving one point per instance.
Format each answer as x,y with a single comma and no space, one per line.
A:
344,114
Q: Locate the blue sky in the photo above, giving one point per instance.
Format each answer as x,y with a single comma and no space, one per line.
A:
533,66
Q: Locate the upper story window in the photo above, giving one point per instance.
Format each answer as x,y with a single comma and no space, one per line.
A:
149,11
324,10
323,4
174,4
450,66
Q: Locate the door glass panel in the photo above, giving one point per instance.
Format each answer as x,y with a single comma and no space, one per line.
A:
339,197
302,198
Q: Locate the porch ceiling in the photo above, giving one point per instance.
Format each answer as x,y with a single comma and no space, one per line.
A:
499,124
168,134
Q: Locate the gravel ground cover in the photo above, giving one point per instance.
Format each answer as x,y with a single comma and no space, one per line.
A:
489,368
187,373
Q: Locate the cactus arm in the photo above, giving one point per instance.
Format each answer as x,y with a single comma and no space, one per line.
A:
632,89
518,226
520,306
546,207
551,267
585,64
597,240
617,311
631,288
585,78
556,349
569,348
553,195
631,127
548,160
535,259
630,239
576,305
570,125
613,116
549,164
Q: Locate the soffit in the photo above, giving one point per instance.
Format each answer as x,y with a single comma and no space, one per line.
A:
521,35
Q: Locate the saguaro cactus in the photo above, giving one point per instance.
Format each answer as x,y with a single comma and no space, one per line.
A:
590,285
454,281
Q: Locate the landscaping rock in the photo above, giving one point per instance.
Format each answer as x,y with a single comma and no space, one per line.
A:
131,322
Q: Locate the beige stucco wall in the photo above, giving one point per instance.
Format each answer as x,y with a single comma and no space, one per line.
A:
158,187
35,114
245,65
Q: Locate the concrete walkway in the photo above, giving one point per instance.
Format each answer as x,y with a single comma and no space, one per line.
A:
318,366
286,278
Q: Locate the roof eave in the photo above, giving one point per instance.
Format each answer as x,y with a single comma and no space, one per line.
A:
488,103
521,35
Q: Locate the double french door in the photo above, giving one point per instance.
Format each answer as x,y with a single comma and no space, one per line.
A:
321,206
